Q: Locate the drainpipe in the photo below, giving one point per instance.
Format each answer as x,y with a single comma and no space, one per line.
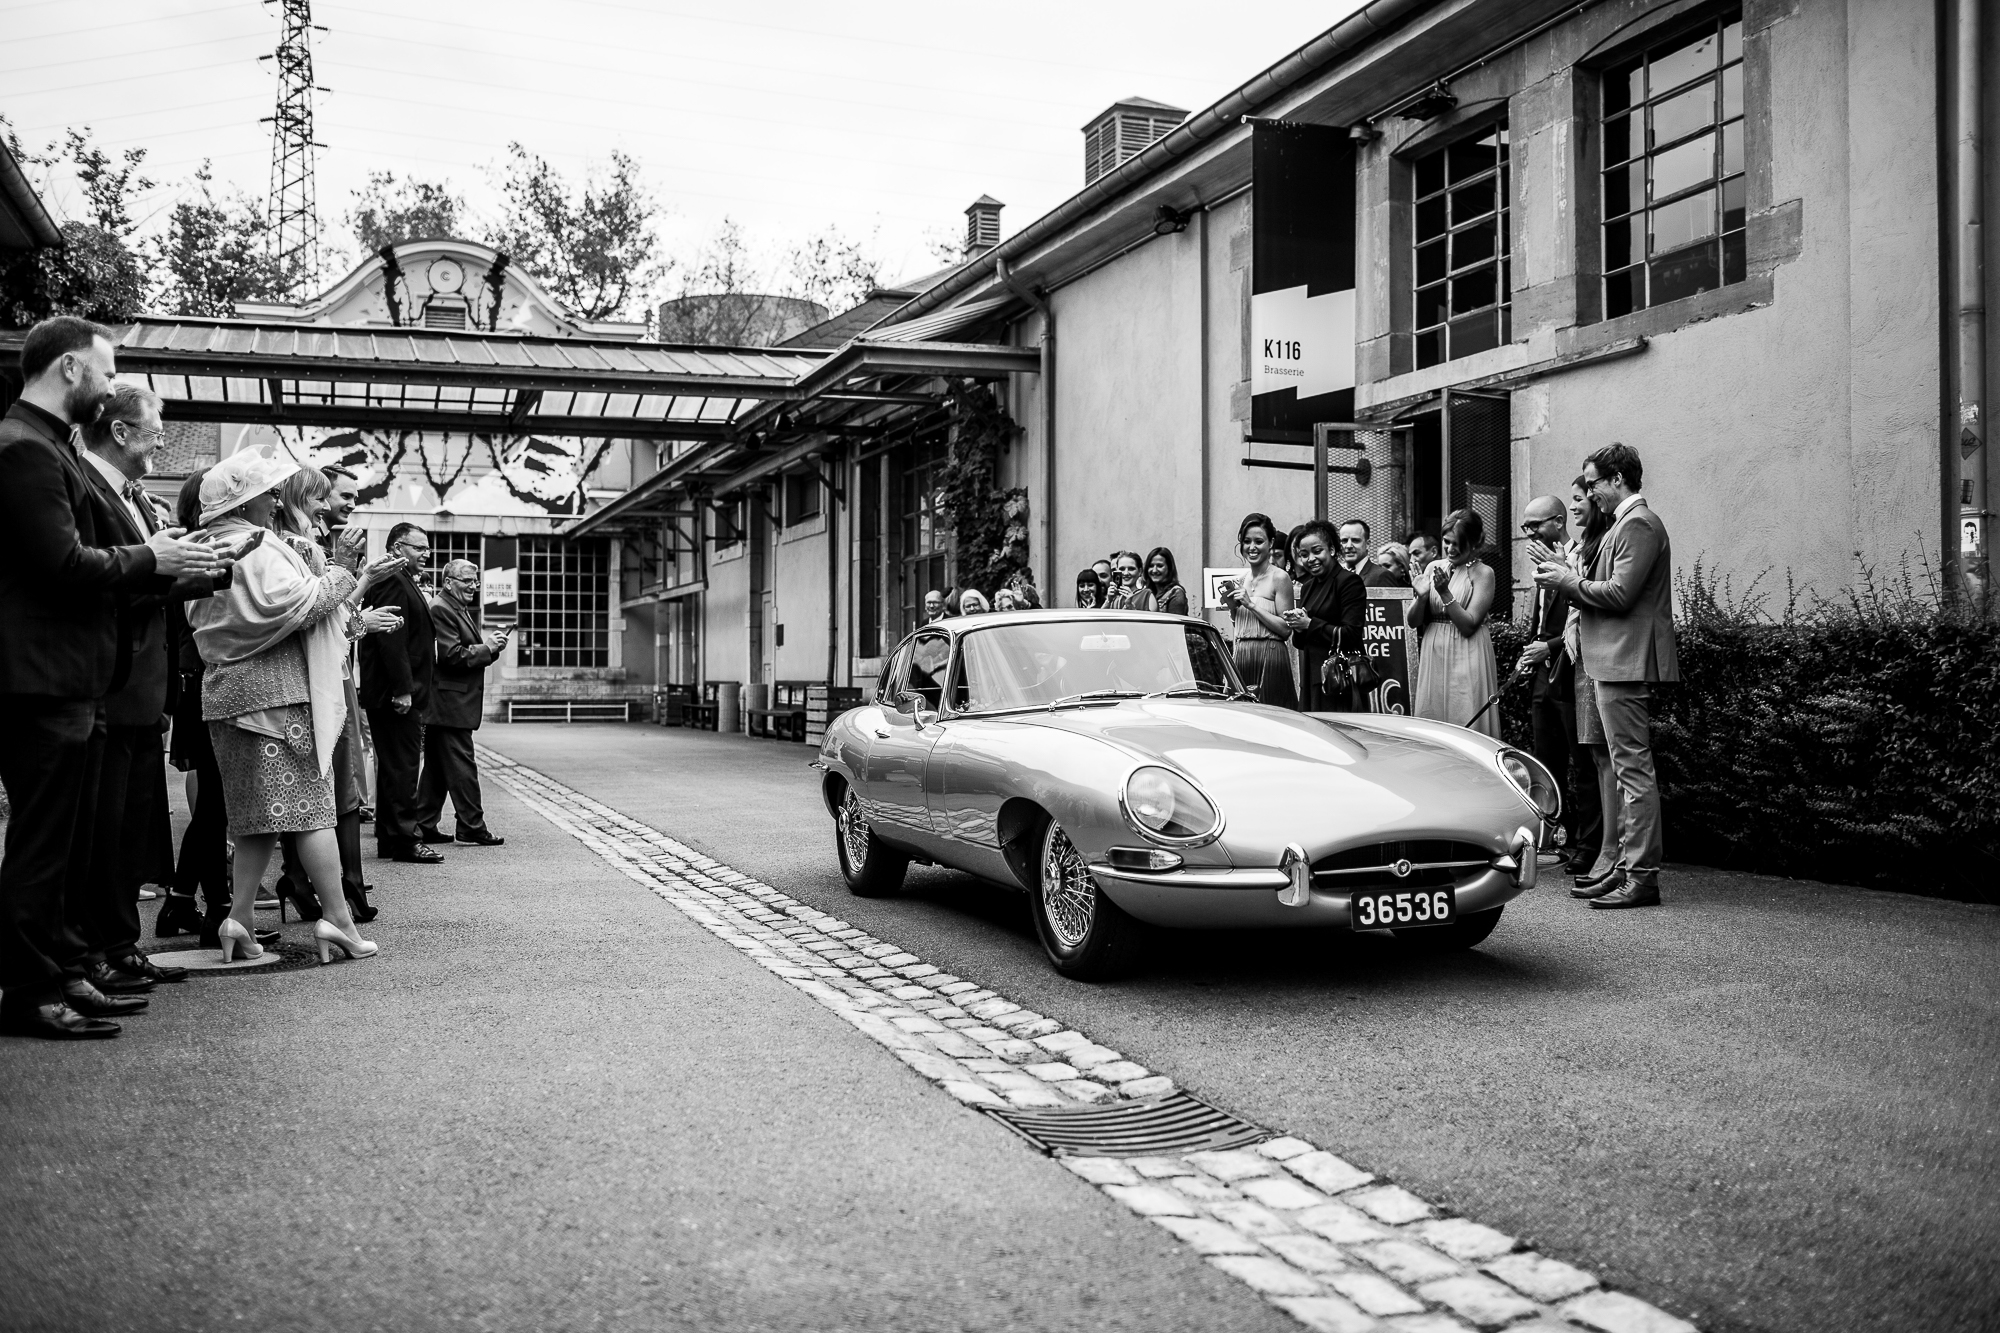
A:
1974,439
1048,390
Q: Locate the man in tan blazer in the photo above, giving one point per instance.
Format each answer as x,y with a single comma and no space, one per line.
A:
1627,618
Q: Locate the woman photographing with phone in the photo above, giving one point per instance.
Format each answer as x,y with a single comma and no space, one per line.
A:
1258,606
1456,674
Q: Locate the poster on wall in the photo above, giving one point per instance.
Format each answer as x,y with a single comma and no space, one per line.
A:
1301,279
1391,647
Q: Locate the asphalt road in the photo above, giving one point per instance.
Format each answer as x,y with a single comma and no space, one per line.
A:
1767,1105
551,1103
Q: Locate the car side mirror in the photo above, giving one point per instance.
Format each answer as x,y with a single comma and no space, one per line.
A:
911,705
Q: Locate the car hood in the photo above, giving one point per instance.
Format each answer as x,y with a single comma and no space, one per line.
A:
1323,781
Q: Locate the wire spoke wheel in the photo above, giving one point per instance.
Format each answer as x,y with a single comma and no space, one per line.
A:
853,832
1069,896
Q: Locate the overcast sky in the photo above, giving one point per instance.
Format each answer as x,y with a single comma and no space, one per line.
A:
885,118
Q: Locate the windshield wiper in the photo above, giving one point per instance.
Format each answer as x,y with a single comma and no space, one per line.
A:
1198,691
1089,695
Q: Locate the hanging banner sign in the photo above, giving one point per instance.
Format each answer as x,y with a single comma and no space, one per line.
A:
1301,279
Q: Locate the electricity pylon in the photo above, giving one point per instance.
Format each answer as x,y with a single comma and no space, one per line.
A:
294,207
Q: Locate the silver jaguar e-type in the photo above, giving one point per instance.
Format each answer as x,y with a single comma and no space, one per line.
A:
1112,765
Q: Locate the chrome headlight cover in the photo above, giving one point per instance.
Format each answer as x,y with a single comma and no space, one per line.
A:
1168,808
1536,785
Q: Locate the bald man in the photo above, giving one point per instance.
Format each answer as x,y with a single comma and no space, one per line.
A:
1545,524
458,702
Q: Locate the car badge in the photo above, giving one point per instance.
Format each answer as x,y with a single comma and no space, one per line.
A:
1402,869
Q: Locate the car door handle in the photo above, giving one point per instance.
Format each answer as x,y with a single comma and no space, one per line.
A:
880,734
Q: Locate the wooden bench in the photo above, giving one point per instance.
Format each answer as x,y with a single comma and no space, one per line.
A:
569,710
785,719
824,704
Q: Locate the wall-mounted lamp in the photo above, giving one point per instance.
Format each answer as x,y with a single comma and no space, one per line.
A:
1363,132
1429,104
1169,220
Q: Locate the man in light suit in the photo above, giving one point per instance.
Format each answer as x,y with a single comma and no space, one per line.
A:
1627,615
458,701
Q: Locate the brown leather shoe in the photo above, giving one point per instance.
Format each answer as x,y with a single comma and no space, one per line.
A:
91,1002
1587,887
1628,894
54,1020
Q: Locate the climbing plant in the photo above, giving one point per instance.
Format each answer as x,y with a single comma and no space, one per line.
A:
989,525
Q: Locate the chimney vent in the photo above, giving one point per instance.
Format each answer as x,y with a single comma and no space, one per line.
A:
982,225
1123,132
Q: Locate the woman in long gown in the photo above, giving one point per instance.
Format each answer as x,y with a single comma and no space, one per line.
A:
1258,612
1456,673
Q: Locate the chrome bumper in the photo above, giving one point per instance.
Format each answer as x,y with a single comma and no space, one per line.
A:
1224,899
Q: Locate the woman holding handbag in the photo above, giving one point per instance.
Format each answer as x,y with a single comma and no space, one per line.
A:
1326,624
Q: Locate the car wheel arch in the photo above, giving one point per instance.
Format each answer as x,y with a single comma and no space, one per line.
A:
1020,827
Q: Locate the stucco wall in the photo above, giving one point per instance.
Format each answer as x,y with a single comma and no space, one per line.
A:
725,638
799,585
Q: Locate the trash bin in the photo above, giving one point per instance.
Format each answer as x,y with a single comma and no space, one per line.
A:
728,707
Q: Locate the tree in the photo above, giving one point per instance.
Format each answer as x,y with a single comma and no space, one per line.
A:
831,270
94,273
215,253
391,211
596,250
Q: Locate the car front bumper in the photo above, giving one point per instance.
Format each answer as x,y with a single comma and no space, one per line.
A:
1248,899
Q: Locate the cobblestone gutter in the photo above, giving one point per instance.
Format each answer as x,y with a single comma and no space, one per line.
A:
1334,1246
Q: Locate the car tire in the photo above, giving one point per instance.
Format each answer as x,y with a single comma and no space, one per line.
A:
1086,936
1465,933
870,866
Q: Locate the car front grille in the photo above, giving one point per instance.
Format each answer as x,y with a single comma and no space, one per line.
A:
1433,863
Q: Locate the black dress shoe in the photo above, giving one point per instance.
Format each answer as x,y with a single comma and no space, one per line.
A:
1628,894
418,854
178,916
106,978
480,839
53,1019
305,904
432,835
91,1002
1593,886
138,965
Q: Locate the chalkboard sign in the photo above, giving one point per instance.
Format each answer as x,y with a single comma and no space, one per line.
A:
1391,647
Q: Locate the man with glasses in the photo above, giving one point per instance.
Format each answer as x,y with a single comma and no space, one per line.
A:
457,705
1552,684
396,681
1626,612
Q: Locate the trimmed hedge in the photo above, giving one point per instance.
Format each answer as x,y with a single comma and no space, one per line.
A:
1855,742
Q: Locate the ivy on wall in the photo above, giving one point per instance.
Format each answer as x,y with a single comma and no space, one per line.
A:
989,525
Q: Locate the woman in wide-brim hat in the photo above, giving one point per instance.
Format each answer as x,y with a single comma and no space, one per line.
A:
273,642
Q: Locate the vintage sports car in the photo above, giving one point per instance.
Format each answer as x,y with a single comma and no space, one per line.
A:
1111,764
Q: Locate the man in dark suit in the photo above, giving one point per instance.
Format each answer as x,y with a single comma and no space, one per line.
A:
457,703
117,840
396,681
1355,537
1627,614
59,581
1551,678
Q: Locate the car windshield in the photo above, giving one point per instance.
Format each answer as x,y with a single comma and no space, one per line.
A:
1053,661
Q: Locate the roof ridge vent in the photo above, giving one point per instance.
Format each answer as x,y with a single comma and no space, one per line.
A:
1124,130
982,225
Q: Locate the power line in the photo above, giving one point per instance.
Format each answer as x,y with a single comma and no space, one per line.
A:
122,55
98,29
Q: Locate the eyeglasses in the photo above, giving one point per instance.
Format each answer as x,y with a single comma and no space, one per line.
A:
414,549
142,432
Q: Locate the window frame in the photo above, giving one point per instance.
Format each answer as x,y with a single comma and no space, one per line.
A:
1727,246
1499,262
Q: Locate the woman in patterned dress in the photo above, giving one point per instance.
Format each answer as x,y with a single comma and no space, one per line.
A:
273,642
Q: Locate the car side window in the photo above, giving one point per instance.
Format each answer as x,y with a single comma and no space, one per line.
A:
893,678
931,654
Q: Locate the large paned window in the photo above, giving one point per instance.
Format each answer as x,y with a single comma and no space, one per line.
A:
1673,169
1463,290
926,539
565,603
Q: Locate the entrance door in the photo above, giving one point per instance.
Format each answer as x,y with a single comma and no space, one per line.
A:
1461,457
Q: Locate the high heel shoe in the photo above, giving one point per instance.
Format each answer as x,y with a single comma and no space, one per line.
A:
329,937
302,902
231,936
358,908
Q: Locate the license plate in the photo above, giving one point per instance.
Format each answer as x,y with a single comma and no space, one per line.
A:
1382,909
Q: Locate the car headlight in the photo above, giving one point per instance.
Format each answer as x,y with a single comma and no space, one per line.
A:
1537,786
1162,804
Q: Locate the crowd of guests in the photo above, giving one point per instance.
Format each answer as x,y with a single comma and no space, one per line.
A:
231,626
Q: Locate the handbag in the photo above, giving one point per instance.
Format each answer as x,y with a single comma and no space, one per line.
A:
1348,672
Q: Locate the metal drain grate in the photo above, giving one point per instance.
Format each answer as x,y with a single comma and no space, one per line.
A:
1163,1127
